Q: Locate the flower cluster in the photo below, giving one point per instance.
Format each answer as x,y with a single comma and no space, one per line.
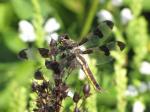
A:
27,31
49,98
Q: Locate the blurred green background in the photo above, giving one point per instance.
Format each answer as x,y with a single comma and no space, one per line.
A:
126,81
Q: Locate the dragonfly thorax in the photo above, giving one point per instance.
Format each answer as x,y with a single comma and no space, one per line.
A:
76,51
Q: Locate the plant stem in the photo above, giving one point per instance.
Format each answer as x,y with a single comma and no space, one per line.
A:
38,22
90,17
120,76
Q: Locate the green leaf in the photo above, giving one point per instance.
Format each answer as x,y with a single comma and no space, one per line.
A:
23,8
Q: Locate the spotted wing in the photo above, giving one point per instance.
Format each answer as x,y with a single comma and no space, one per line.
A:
103,52
99,35
30,53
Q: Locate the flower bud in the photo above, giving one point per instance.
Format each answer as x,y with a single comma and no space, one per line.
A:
86,89
38,75
76,109
53,65
76,97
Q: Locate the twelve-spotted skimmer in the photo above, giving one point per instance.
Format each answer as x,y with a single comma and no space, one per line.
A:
68,53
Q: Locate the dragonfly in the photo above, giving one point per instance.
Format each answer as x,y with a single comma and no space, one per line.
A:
69,53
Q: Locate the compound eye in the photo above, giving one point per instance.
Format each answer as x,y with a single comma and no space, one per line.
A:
64,36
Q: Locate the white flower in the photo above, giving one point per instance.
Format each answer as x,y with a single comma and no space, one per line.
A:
50,28
27,33
104,15
131,91
143,87
54,36
116,2
51,25
126,15
70,94
145,68
26,30
81,75
50,36
138,106
102,1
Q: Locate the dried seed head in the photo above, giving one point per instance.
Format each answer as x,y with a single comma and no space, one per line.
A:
44,52
64,90
41,88
48,64
38,75
76,97
57,80
53,65
34,86
53,43
76,109
86,90
45,84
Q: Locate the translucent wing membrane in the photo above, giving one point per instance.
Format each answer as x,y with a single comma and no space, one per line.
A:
101,57
102,53
26,54
99,35
115,45
97,42
106,48
104,29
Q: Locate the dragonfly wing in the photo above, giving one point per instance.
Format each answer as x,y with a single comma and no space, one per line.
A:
102,53
99,35
114,45
104,29
101,57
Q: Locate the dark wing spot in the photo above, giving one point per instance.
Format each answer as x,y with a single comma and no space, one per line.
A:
66,36
98,33
105,50
88,51
22,54
38,75
44,52
53,65
109,23
121,45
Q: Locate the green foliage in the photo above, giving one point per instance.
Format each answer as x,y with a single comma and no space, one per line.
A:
77,18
